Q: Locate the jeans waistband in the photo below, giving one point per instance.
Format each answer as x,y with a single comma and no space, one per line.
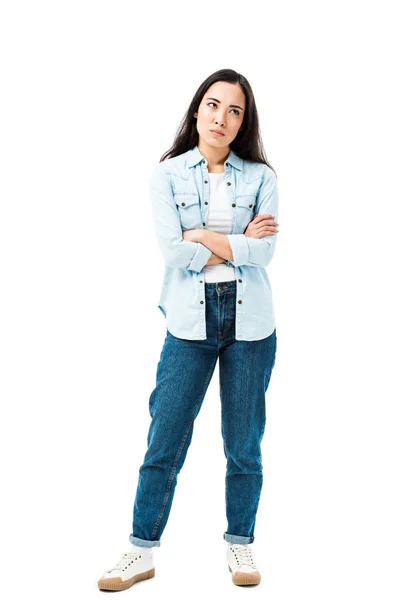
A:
219,286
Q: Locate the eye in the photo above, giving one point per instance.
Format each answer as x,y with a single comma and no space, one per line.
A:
235,109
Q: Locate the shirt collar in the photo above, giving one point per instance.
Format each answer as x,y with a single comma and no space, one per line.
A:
194,157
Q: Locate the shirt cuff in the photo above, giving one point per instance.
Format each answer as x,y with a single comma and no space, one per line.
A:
239,247
200,258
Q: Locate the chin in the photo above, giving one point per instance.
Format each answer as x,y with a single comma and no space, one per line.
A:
217,142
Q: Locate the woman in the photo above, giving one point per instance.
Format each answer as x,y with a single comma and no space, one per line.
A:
214,202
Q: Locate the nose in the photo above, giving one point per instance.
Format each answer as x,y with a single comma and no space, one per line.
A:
221,122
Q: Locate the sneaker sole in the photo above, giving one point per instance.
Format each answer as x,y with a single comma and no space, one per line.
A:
116,583
240,578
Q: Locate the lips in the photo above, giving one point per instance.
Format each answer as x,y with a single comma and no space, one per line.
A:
217,131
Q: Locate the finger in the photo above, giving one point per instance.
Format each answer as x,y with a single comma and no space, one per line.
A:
268,231
264,224
264,219
259,217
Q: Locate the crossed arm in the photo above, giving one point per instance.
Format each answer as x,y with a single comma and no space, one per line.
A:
239,249
218,243
215,259
209,247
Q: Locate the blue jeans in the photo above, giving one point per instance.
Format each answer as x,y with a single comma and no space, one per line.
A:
184,372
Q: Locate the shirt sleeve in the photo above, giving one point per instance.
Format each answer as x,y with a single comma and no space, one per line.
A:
176,251
258,252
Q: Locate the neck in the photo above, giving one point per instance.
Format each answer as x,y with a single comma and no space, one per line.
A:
215,156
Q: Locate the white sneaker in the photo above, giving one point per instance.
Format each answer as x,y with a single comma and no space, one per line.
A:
241,565
134,566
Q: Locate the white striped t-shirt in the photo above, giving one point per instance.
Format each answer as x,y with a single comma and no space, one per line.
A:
220,220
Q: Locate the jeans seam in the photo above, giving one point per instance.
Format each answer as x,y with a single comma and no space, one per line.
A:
179,452
223,437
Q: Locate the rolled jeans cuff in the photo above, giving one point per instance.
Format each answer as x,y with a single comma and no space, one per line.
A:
238,539
146,543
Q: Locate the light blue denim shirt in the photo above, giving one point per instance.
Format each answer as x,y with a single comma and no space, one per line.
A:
180,195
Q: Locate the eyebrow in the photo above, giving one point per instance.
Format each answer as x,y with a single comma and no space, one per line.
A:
233,105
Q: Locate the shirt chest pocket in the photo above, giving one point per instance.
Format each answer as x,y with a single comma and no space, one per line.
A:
245,206
187,204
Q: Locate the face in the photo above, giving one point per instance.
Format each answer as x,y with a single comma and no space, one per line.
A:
222,108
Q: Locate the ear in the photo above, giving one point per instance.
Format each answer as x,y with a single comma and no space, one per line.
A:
196,115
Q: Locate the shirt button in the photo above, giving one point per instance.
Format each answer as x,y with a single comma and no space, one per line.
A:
250,205
201,302
182,204
239,302
204,224
204,162
233,204
205,202
205,181
228,183
201,281
239,280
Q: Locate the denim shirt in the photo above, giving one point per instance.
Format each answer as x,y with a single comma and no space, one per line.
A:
180,195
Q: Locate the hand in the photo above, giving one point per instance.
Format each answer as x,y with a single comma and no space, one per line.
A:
261,226
192,235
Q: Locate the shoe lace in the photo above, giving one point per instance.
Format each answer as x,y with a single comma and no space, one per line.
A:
125,560
243,555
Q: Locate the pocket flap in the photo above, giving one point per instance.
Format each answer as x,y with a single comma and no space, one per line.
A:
246,201
185,199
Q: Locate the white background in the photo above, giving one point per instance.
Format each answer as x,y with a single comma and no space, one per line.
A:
92,95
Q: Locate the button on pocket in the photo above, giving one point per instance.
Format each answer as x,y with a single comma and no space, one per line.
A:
245,205
189,210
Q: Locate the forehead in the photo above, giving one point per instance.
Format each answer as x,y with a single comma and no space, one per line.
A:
230,93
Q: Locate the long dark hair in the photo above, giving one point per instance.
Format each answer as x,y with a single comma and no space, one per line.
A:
247,143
